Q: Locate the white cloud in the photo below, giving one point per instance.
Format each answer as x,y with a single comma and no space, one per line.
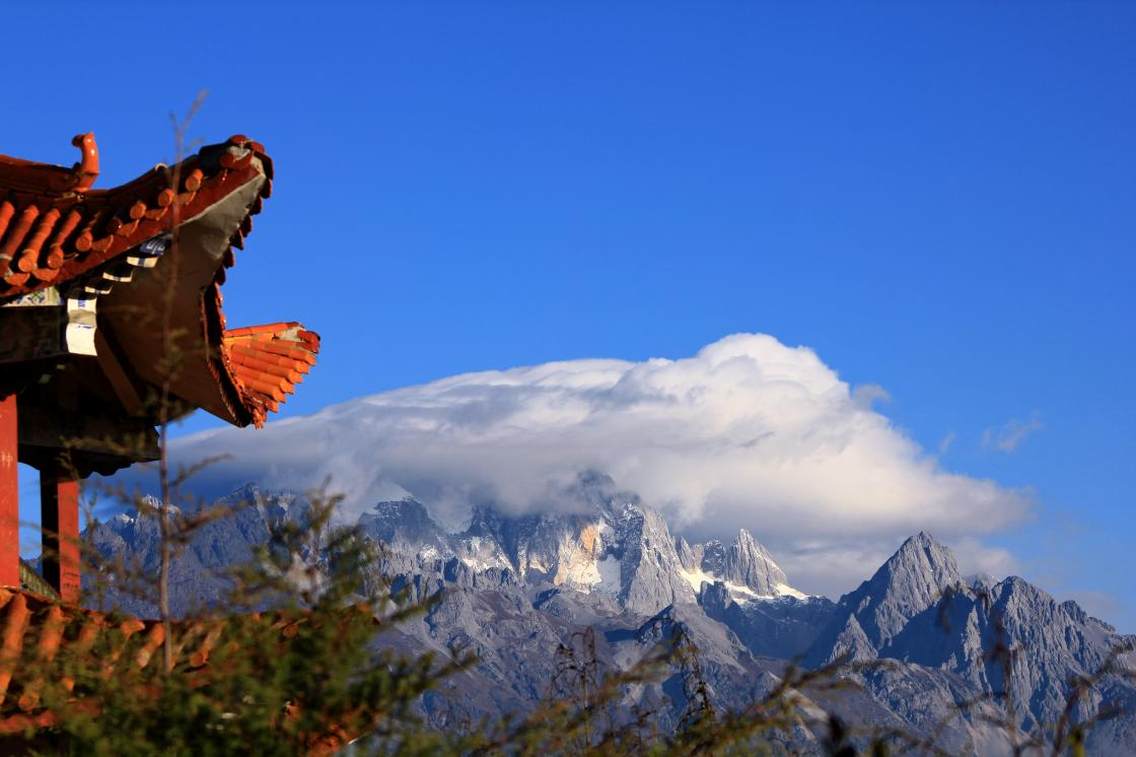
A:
1099,604
867,395
835,566
974,557
748,432
1010,435
946,443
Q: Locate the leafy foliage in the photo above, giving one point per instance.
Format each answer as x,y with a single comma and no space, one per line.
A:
305,676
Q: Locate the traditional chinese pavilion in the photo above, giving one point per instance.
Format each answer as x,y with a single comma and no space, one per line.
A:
111,322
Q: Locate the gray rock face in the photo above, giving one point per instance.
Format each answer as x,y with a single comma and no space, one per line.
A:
195,581
614,547
648,563
784,628
1008,642
1056,642
743,563
912,580
686,556
405,526
749,564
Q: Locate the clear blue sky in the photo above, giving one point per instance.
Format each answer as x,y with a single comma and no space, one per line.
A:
938,199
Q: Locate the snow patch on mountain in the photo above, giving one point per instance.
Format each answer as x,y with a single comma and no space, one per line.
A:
785,590
609,571
738,592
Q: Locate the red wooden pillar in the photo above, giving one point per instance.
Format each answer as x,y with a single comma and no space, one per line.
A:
59,521
9,494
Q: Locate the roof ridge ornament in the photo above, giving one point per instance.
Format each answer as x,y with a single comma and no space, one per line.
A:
87,169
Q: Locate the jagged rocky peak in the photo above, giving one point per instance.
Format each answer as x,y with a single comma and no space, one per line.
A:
562,548
596,492
609,544
686,556
850,643
745,565
485,521
911,581
650,572
401,513
750,564
403,522
922,567
1055,628
713,559
565,550
918,609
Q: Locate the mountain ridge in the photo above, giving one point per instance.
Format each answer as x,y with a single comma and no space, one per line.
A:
514,587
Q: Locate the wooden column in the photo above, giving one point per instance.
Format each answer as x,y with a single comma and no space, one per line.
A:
59,521
9,494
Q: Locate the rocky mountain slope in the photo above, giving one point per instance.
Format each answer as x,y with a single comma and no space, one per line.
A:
940,654
1008,639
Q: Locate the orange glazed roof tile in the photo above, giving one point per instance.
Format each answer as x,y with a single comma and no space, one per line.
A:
268,361
56,231
54,227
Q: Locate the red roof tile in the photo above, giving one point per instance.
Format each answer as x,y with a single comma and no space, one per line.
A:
268,361
55,230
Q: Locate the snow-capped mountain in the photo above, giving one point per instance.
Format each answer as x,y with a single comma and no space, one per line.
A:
515,587
745,567
617,548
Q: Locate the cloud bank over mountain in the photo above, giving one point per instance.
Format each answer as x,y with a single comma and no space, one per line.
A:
747,433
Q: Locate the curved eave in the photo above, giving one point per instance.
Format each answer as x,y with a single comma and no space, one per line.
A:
172,232
267,362
50,237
